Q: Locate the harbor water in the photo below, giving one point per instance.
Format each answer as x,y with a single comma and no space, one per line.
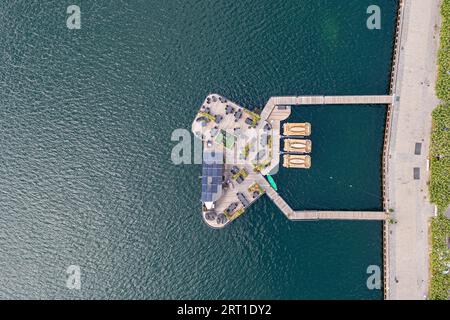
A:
86,118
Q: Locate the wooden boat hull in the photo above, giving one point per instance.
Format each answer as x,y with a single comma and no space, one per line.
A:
297,145
296,161
297,129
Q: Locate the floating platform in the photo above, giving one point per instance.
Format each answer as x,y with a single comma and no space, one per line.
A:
297,129
297,145
296,161
226,192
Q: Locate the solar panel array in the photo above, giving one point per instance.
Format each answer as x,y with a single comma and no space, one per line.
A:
211,180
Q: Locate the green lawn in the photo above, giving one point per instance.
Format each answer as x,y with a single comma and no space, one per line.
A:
226,139
440,195
440,168
443,83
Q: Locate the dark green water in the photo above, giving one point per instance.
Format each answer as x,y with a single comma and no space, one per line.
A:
86,118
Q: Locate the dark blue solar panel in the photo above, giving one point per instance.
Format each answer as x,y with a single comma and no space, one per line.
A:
212,171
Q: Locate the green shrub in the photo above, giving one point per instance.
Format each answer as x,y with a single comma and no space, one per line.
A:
440,157
440,258
443,82
440,168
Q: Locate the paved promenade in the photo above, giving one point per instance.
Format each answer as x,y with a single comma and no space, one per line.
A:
411,124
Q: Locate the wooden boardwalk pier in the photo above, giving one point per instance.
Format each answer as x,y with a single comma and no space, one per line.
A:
319,100
276,110
338,215
317,214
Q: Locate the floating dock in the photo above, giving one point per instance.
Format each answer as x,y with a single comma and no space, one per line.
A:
241,147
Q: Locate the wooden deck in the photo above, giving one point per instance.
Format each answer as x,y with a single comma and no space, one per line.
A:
319,100
276,110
